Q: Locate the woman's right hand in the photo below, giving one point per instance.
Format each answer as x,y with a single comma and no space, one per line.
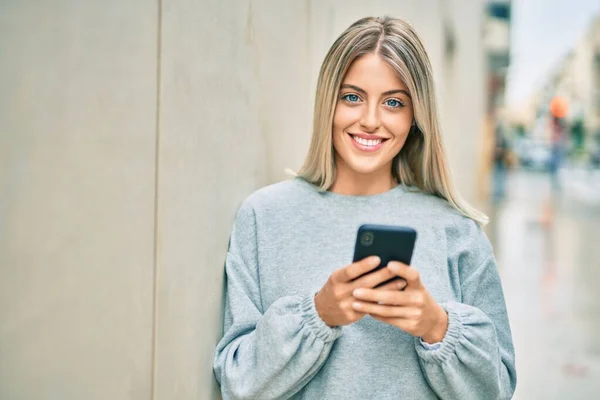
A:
334,301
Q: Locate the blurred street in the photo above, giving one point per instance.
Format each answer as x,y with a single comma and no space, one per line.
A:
548,251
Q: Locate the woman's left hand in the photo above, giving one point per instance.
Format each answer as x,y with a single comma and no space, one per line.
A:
413,310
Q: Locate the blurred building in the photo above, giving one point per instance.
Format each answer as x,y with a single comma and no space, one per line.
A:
496,47
576,78
578,81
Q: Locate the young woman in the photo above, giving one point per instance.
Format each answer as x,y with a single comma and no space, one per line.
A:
300,320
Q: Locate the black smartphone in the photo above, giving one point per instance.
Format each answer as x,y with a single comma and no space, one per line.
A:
388,242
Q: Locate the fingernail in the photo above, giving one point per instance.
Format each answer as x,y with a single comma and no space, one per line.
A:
394,266
376,260
356,304
358,292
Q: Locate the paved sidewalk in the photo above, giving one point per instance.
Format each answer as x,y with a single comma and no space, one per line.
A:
548,249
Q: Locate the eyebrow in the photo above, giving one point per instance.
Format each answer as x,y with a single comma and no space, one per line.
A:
347,86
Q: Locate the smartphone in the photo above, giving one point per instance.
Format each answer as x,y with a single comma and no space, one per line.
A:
388,242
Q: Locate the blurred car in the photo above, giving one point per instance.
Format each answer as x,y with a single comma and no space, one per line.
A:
533,154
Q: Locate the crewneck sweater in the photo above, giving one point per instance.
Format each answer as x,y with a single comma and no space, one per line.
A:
289,237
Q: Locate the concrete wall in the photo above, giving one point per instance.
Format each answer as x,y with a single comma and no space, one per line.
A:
77,150
129,134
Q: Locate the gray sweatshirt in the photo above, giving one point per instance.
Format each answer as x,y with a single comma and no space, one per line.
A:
288,238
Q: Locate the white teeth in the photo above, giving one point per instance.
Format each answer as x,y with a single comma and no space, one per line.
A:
367,142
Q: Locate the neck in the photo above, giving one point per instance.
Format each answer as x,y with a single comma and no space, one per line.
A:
354,183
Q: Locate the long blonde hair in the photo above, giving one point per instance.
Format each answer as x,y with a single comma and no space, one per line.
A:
422,162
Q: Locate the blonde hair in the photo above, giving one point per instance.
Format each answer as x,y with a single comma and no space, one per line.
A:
421,162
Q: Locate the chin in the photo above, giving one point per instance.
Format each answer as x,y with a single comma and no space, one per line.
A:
365,168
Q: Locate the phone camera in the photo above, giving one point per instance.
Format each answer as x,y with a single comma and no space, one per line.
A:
367,239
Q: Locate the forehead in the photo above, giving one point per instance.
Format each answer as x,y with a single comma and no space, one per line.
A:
371,72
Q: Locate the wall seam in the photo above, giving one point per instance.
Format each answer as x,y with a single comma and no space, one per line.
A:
156,269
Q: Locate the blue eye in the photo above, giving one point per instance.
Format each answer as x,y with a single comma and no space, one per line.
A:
394,103
352,98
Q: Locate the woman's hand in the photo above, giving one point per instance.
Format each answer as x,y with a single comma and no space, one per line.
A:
334,300
413,310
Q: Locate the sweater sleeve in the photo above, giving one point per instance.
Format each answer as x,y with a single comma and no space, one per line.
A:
475,360
272,353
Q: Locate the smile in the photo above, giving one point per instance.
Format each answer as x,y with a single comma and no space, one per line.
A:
367,144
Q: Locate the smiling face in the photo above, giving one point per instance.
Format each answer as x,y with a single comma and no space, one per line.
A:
372,120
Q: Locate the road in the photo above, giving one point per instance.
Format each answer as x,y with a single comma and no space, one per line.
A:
548,250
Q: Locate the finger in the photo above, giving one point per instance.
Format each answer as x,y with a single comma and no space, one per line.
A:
411,275
374,278
387,297
381,310
397,284
356,269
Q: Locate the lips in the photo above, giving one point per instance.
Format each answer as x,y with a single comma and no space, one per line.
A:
368,143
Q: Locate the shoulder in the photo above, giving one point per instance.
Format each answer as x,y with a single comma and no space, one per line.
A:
459,229
267,207
289,191
282,195
435,208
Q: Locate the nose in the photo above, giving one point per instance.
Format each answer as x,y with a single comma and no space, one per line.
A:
369,120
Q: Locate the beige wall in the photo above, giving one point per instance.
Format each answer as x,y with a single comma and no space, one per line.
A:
213,152
119,121
78,105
